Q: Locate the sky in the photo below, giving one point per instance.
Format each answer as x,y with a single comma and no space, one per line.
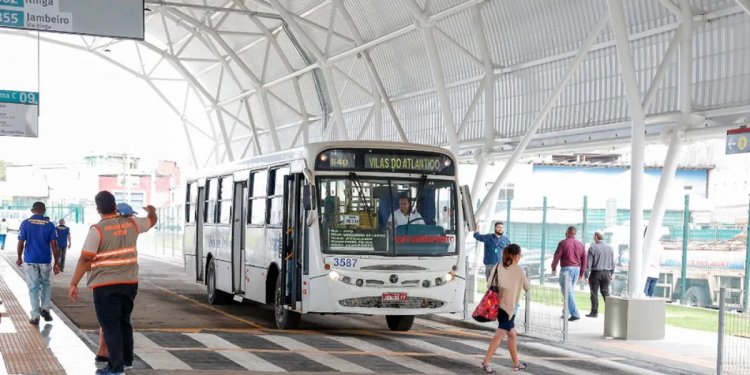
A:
87,105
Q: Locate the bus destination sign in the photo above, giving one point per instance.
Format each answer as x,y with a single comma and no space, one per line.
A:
385,160
394,162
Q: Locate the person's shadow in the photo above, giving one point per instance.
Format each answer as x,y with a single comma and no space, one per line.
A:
46,333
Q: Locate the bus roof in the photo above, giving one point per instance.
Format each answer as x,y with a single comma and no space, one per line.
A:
308,153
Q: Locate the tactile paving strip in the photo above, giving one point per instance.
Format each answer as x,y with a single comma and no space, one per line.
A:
25,351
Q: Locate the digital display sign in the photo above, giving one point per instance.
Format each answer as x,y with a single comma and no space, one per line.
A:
341,159
404,162
398,161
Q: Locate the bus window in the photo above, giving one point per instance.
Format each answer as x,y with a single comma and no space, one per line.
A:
225,199
257,201
360,215
276,196
211,194
192,203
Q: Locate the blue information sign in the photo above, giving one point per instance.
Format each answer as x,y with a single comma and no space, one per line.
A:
11,18
19,97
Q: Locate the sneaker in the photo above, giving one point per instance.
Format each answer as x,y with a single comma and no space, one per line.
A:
34,321
46,315
573,318
107,371
101,361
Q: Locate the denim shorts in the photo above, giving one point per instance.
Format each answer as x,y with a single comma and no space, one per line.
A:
505,322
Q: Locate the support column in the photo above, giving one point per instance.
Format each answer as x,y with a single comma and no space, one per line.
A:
488,84
637,118
676,140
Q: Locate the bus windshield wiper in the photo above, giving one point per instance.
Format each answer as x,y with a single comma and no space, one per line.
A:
358,184
422,183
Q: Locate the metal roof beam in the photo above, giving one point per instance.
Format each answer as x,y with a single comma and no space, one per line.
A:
438,74
745,4
542,115
209,8
372,71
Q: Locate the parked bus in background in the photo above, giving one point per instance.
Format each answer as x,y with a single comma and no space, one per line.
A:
317,229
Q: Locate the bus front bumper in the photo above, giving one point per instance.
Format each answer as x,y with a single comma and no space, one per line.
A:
338,298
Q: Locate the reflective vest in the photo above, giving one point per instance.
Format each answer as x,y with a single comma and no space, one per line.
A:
116,260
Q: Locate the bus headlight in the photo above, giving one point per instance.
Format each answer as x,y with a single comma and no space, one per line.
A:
333,275
448,276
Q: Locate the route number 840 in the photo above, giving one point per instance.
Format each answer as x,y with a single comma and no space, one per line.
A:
344,262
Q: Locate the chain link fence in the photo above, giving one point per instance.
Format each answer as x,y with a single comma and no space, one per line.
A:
733,347
700,254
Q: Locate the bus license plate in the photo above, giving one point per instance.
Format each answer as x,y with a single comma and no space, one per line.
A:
394,297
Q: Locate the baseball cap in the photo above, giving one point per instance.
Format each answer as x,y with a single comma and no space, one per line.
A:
124,209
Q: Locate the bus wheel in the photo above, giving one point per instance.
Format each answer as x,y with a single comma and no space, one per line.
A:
399,322
285,319
215,297
695,296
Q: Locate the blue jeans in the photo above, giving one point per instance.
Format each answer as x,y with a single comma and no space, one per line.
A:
2,240
650,286
40,289
572,273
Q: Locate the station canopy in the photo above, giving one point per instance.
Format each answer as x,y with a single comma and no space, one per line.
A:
250,77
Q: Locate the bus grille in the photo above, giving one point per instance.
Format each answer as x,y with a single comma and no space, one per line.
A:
376,302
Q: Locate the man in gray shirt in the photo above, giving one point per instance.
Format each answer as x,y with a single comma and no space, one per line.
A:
600,267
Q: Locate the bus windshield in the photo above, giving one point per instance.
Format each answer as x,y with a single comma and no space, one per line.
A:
387,216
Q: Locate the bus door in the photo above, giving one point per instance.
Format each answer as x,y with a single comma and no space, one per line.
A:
200,216
292,241
238,235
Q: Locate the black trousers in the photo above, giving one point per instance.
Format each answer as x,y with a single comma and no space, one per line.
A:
598,281
113,304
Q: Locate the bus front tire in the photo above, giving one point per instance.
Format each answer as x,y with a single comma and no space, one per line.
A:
400,323
215,296
285,319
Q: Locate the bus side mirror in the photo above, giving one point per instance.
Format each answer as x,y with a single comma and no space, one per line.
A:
308,197
469,218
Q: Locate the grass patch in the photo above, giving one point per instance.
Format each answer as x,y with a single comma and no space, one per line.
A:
700,319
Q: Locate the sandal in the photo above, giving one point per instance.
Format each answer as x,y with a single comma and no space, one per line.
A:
487,369
520,367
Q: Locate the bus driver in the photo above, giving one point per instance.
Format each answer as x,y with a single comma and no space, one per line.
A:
403,215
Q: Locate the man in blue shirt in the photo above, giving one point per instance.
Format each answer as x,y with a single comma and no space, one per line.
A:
63,242
494,243
36,237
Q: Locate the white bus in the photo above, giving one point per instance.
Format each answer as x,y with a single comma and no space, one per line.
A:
311,230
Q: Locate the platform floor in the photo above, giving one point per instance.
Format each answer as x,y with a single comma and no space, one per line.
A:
178,333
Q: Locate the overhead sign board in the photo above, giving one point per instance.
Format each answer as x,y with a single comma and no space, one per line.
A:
19,113
110,18
738,140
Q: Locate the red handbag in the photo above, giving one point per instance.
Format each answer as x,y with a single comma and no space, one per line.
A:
487,309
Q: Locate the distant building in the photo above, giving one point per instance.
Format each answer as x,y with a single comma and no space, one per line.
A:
131,179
